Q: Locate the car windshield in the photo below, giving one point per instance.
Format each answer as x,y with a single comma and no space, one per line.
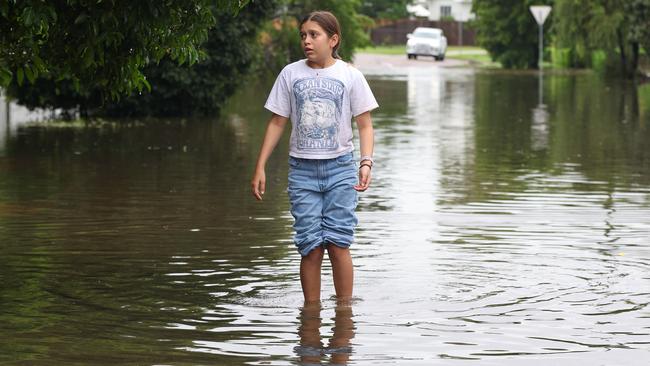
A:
425,34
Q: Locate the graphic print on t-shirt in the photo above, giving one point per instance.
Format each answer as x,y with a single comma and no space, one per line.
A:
319,103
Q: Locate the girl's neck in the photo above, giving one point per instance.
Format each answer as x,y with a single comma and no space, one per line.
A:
321,64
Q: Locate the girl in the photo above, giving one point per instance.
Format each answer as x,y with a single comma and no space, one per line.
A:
321,94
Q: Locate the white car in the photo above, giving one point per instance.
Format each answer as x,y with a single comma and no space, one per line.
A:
426,42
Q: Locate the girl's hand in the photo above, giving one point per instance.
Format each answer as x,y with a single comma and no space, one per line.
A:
364,179
258,184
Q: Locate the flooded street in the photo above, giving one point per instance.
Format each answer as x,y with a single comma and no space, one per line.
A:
503,226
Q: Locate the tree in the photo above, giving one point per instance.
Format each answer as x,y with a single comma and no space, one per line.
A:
571,28
176,90
508,31
637,19
228,54
617,27
231,50
284,33
384,9
641,19
100,44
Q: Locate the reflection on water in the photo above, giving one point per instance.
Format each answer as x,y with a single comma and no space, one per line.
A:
311,349
491,233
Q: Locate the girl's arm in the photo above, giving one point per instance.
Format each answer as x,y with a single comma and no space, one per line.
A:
367,142
271,137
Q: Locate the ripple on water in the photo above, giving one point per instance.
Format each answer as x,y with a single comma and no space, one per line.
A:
473,243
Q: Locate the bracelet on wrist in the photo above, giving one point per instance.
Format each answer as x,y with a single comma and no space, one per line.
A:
367,158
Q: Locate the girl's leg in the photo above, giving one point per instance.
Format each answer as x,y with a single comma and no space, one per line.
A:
342,271
310,267
339,220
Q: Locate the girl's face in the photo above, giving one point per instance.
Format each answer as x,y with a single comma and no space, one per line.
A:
315,42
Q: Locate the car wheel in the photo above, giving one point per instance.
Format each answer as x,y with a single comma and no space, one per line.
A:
415,57
409,56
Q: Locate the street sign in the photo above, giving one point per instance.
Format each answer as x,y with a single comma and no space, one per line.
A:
540,12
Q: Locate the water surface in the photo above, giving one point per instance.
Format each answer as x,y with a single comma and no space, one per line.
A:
503,226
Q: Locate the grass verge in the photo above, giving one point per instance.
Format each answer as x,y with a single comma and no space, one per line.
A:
476,55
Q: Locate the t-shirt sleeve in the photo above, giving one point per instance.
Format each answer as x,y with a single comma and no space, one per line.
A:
361,97
279,100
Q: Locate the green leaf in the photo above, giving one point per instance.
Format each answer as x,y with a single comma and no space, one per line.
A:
181,59
88,57
5,76
146,83
81,18
28,17
39,64
52,14
4,8
20,76
30,74
60,45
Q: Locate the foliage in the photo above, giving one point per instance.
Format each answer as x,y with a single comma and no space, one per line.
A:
638,19
170,89
561,57
281,42
508,31
384,9
284,41
617,27
599,61
176,90
100,44
572,28
201,89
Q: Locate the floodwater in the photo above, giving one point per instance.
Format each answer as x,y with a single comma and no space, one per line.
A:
503,227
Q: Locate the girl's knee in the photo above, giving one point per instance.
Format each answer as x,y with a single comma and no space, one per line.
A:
315,255
336,251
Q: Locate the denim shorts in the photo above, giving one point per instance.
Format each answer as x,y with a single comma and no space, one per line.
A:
323,200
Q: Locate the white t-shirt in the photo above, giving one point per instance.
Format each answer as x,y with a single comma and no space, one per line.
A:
321,104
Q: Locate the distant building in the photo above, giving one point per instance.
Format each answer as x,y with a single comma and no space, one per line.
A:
459,10
418,9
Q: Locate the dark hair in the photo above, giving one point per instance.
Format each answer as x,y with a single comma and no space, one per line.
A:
330,25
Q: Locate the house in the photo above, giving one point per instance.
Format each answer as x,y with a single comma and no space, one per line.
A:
459,10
